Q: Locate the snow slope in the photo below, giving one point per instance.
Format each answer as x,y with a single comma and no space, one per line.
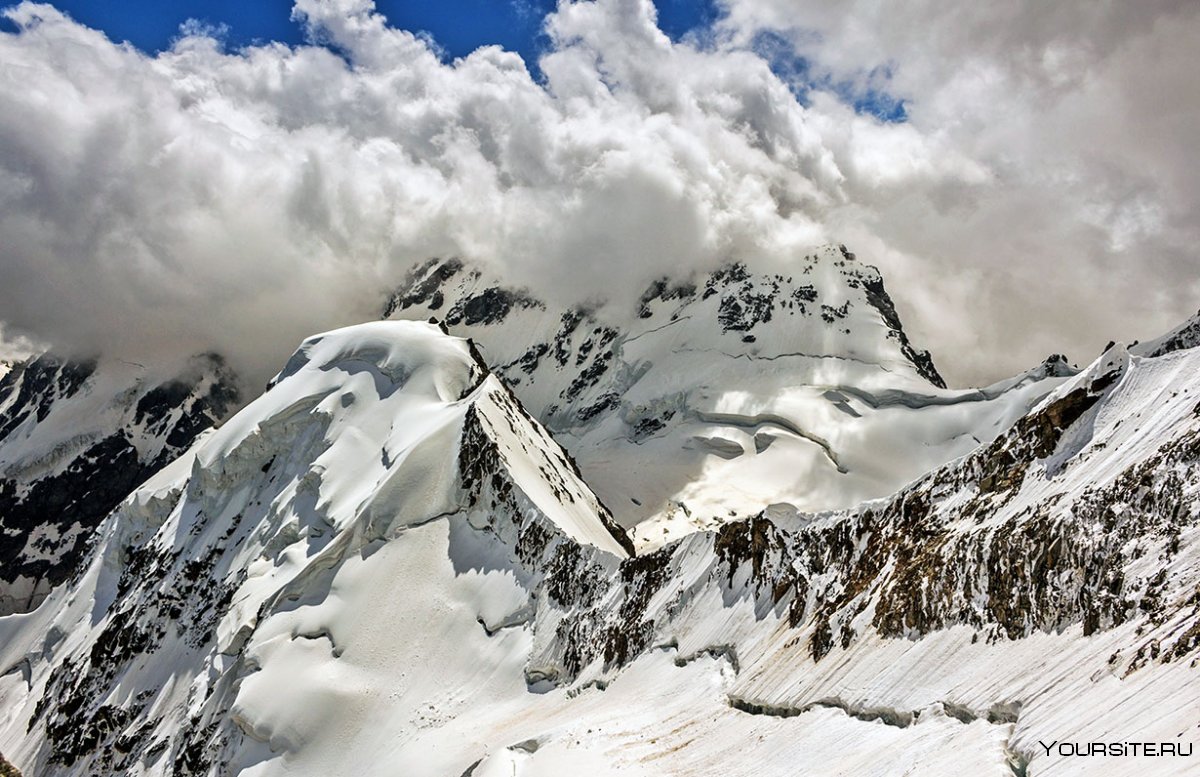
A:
189,604
384,566
75,439
1044,588
712,397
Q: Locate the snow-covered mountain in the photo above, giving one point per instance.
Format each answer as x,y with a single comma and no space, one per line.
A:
76,437
713,396
385,565
385,470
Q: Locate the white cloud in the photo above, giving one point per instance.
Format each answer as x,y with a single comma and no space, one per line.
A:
1045,187
204,198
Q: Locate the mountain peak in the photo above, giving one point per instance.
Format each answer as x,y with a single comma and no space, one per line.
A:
827,303
1186,335
399,355
384,560
374,439
711,395
383,384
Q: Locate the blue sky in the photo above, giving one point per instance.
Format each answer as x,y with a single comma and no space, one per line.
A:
459,26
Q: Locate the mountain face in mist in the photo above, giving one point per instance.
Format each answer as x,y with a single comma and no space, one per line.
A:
386,563
75,439
713,396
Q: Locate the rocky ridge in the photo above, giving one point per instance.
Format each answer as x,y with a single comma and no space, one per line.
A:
717,394
1055,568
76,437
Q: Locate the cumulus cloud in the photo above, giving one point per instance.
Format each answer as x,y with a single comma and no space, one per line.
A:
238,200
1044,193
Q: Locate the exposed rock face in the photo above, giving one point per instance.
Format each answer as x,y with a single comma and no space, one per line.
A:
707,381
7,769
387,562
1024,536
387,542
30,388
76,439
731,306
1018,537
877,295
1186,335
176,583
1083,518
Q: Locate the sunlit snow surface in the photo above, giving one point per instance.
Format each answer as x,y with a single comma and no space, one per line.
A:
376,568
720,394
